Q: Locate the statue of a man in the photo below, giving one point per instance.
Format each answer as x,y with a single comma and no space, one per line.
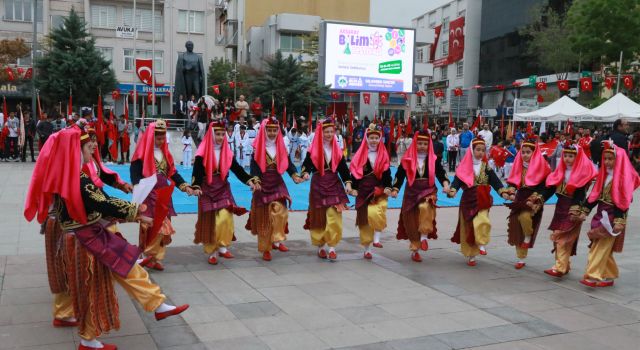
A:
189,74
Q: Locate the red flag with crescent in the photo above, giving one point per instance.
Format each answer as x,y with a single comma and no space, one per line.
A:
384,97
541,85
366,97
586,84
144,69
627,80
456,40
563,85
161,210
216,89
608,82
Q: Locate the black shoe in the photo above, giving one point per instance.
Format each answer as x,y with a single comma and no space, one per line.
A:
33,160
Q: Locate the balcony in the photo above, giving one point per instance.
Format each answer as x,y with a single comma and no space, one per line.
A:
228,37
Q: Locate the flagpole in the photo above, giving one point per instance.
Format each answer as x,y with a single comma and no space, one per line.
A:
153,54
135,73
619,73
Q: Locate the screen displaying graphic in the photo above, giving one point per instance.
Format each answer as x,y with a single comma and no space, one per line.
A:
366,58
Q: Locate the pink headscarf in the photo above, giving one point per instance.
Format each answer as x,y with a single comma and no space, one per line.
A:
582,172
410,161
206,150
260,148
317,149
144,150
359,160
537,172
625,180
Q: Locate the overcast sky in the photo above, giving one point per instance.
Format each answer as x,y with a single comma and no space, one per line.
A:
400,12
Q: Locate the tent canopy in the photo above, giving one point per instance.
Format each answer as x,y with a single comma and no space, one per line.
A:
561,110
617,107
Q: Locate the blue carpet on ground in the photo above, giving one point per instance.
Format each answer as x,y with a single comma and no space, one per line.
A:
299,193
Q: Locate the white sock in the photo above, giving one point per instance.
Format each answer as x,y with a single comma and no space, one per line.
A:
139,261
332,249
423,237
70,319
472,258
322,247
222,250
214,255
482,247
376,237
367,249
520,261
527,239
94,343
164,308
277,244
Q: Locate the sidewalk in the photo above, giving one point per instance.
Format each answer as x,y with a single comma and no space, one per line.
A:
298,301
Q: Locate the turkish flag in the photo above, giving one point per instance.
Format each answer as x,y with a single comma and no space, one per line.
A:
113,137
115,94
438,93
627,80
456,40
563,85
516,83
540,99
541,85
409,128
500,87
458,92
232,84
149,97
586,84
28,74
384,97
163,198
366,97
608,82
529,128
216,89
451,125
335,95
392,125
434,46
421,93
144,70
548,148
10,75
100,123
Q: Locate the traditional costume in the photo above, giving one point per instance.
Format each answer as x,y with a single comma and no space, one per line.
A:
570,184
371,178
151,160
269,214
417,221
216,205
94,254
327,197
528,189
613,193
476,178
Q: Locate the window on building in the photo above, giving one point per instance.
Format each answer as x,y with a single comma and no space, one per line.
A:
191,21
103,16
430,99
291,42
144,20
445,24
129,64
56,22
460,6
445,48
432,20
430,79
461,13
420,55
443,73
107,53
18,10
459,68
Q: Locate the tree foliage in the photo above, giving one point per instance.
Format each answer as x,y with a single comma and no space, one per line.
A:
549,40
220,73
71,61
311,50
287,81
600,29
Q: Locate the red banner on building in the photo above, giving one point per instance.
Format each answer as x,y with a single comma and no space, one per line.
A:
434,46
456,40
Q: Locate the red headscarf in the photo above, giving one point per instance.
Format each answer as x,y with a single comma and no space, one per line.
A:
464,171
317,149
260,148
537,171
206,150
410,161
625,180
582,172
144,151
57,172
360,159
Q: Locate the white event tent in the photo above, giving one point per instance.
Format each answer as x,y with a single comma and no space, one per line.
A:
561,110
616,107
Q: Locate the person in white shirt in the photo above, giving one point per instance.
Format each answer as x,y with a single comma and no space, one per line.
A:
340,139
453,145
11,145
486,135
187,151
244,147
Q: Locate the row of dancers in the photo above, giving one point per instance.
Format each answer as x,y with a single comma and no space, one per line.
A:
86,254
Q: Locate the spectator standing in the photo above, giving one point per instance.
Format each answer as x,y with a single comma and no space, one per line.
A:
486,135
464,140
187,150
242,106
619,134
11,145
44,128
29,135
358,135
256,108
180,109
453,145
508,164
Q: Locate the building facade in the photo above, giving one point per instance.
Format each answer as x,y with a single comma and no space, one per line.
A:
450,73
164,26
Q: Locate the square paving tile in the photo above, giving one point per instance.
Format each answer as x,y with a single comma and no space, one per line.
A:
220,330
345,336
293,341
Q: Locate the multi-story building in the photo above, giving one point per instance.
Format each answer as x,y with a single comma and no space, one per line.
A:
450,73
161,34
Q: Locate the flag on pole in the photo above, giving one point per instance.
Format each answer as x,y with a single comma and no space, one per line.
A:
21,136
309,126
391,130
451,125
284,116
100,124
350,124
70,105
273,106
126,142
5,130
39,111
113,137
409,128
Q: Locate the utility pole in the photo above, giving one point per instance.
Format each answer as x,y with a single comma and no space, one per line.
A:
34,48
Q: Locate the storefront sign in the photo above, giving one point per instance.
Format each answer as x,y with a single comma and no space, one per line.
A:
142,89
126,32
443,84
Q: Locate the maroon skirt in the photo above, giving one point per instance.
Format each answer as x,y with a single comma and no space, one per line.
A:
514,229
273,188
326,191
216,195
473,200
409,215
561,218
598,231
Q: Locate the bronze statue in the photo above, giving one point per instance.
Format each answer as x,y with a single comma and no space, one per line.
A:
189,74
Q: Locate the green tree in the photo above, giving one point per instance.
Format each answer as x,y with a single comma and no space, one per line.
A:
311,49
288,83
549,40
600,29
220,73
71,61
